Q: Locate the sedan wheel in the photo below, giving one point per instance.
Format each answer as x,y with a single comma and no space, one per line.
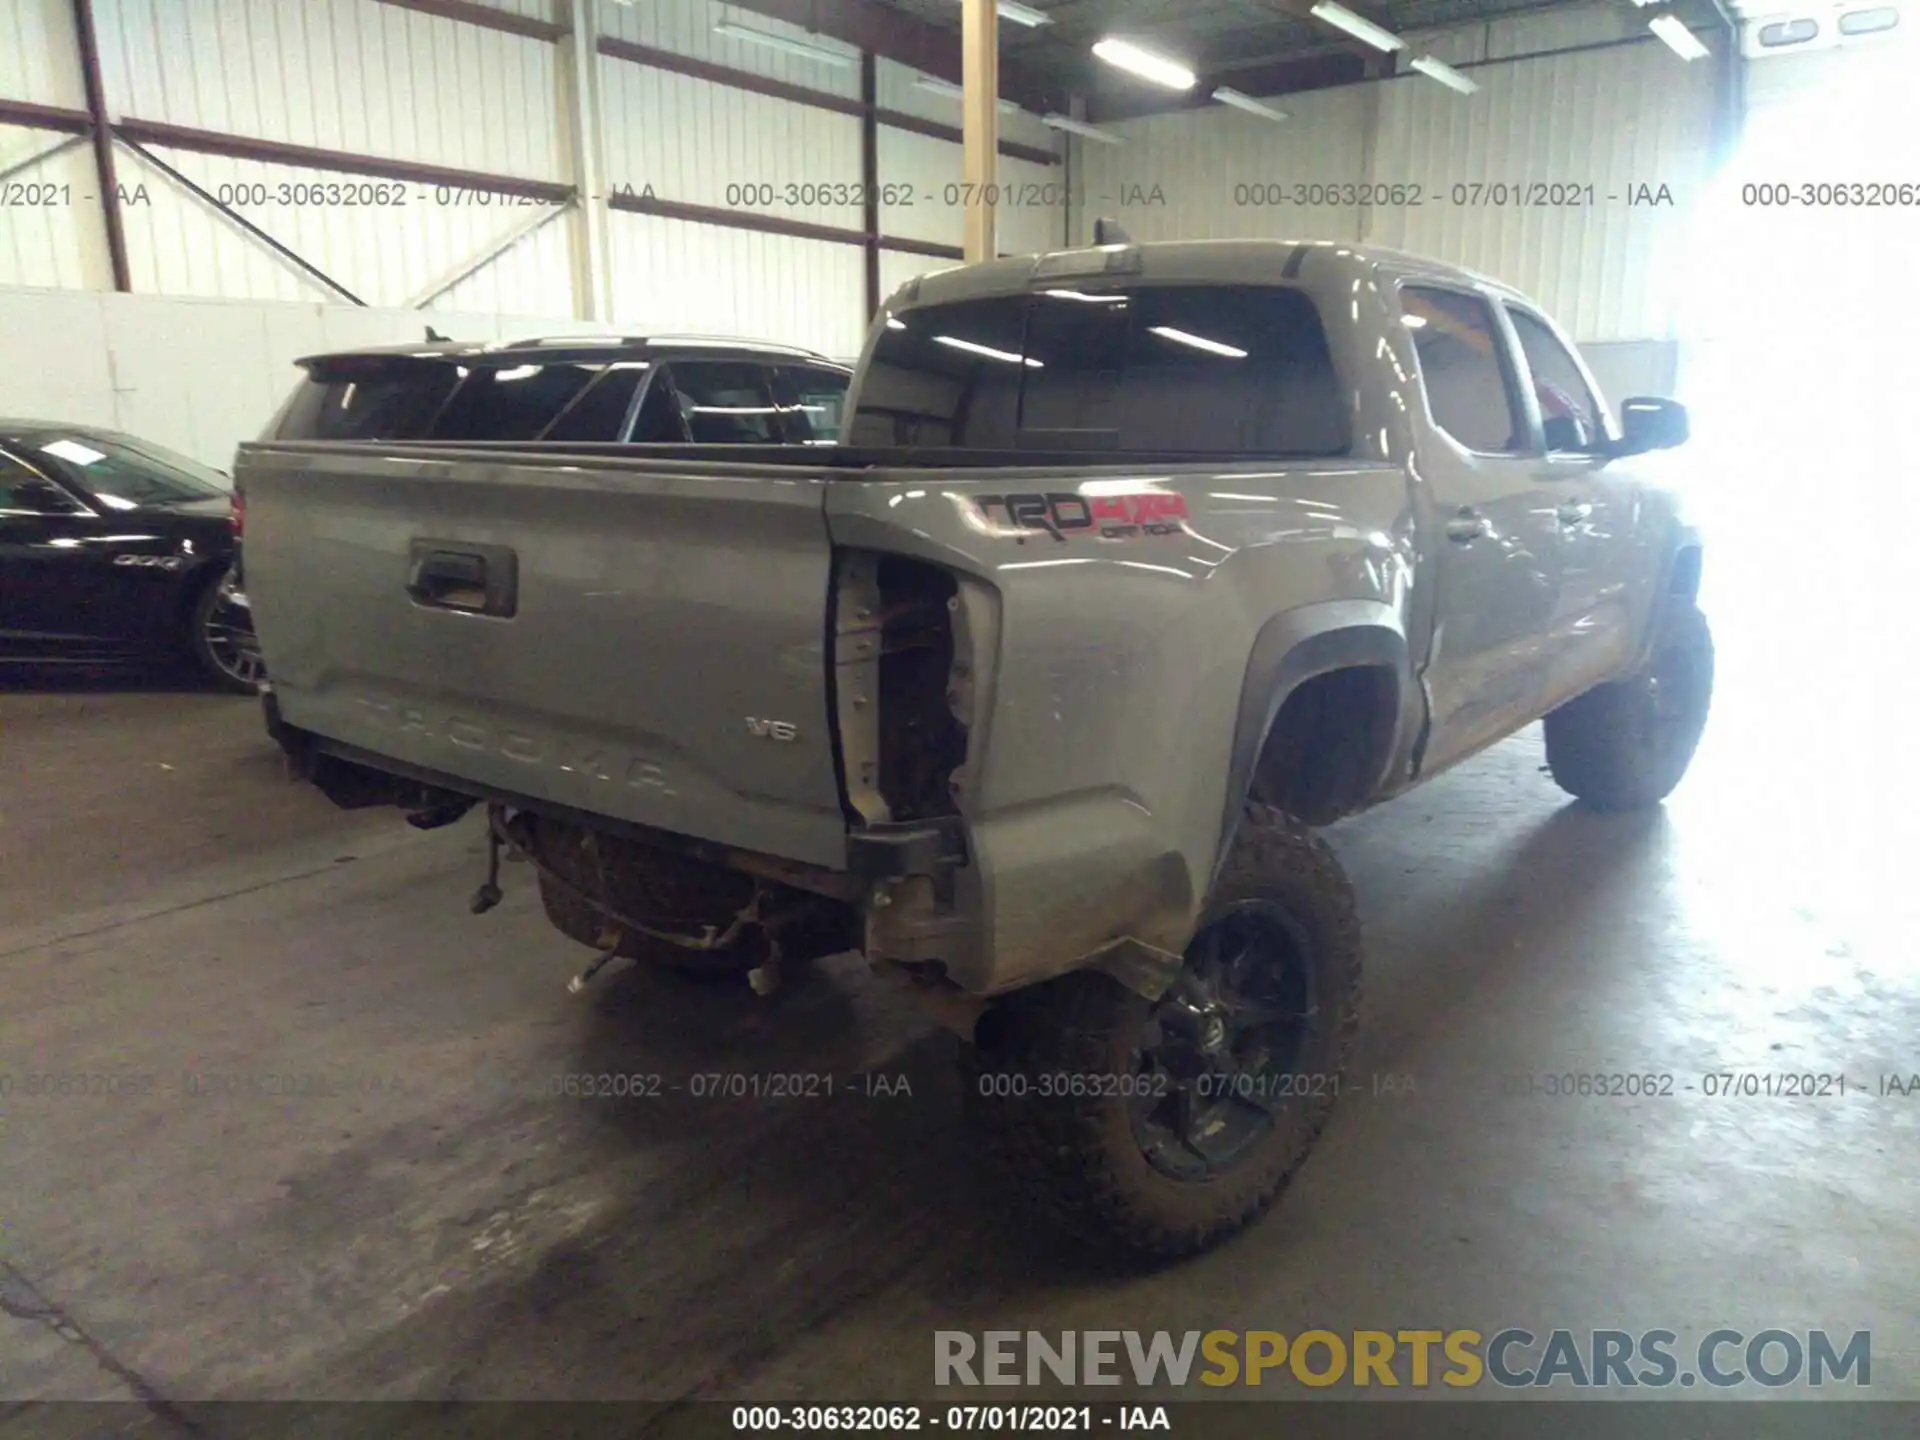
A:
223,639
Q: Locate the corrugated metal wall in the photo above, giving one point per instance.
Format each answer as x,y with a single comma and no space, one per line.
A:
1601,125
1220,174
923,175
57,239
364,76
703,143
350,75
1612,118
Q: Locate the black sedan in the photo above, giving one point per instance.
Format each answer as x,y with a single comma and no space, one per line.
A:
115,549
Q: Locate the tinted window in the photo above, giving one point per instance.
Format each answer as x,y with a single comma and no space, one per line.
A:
600,413
811,401
124,476
510,402
1569,414
1461,370
1184,369
368,398
726,402
22,489
659,422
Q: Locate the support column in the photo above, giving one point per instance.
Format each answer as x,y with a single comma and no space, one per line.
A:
592,267
980,76
870,174
85,33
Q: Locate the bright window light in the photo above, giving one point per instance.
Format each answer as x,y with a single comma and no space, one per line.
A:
72,450
974,348
1198,342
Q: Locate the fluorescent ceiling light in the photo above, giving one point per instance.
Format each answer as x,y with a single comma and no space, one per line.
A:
947,87
1448,76
987,350
1075,127
1083,295
1247,103
1198,342
1357,26
1145,64
893,324
1413,322
1682,41
1022,14
803,48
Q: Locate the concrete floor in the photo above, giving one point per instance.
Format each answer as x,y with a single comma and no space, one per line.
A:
432,1228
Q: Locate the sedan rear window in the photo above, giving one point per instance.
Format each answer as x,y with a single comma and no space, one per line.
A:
1202,369
398,397
367,398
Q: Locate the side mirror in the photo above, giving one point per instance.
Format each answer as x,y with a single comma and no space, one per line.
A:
1651,424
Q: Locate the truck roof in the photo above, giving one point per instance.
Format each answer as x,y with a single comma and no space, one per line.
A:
1315,264
580,347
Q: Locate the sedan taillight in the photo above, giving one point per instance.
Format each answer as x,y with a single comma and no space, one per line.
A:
237,513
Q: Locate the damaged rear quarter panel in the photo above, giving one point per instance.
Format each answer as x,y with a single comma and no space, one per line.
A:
1129,602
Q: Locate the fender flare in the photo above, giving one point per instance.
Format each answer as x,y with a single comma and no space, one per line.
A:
1292,648
1684,540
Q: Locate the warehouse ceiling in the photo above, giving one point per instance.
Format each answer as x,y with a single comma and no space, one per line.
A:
1260,47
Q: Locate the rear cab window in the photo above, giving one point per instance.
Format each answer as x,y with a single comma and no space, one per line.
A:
1144,368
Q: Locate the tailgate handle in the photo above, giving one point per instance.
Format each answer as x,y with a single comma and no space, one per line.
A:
474,579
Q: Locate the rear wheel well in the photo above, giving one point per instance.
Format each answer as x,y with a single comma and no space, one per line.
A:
1327,746
1683,581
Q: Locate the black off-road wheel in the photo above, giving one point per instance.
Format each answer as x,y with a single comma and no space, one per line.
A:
1627,744
1161,1127
221,639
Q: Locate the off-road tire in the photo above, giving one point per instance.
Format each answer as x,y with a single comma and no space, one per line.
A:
1077,1158
1613,748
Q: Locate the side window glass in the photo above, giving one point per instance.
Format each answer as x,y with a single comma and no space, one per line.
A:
658,422
726,402
601,413
23,489
1569,414
811,401
1460,370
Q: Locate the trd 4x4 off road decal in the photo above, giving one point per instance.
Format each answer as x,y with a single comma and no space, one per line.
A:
1111,517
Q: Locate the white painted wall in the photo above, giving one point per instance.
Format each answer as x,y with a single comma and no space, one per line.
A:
199,375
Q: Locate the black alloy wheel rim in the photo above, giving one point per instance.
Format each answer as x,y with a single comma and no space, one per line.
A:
1218,1064
229,636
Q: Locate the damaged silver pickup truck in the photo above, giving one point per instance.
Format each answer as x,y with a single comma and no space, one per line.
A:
1131,565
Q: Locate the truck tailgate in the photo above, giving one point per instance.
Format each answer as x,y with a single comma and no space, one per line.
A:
638,639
